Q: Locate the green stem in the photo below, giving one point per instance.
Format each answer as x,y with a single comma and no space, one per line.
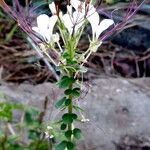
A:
70,109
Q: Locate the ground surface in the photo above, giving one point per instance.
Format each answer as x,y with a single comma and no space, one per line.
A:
115,107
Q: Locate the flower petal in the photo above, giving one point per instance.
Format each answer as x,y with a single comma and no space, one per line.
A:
52,7
45,26
41,33
69,9
105,24
94,20
36,29
68,22
78,19
91,10
43,22
75,4
55,37
52,22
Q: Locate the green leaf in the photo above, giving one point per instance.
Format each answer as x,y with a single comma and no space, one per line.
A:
28,118
74,116
70,146
68,133
61,146
67,118
60,103
72,62
76,92
63,126
31,117
65,55
13,138
67,102
66,81
77,133
68,92
6,110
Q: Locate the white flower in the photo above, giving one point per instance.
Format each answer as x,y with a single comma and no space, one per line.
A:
49,128
45,25
48,136
97,29
89,11
52,7
72,21
55,37
53,10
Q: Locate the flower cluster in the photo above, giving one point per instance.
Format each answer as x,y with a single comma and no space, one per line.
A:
74,22
77,16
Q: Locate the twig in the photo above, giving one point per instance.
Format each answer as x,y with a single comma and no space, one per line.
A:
11,129
43,58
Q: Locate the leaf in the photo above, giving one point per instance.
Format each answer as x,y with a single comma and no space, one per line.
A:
6,110
68,92
13,138
76,92
74,116
66,81
61,146
31,117
70,146
67,102
68,118
77,133
68,133
60,103
65,55
63,126
28,118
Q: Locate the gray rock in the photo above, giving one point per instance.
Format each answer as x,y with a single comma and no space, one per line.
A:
115,107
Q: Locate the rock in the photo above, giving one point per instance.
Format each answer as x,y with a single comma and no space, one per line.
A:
139,42
115,107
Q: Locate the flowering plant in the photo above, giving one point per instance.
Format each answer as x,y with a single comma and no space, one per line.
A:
66,55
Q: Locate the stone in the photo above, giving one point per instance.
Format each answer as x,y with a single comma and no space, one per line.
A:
114,106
